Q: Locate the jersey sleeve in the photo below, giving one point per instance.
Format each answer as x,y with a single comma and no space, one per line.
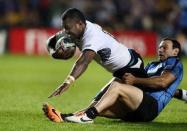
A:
93,44
174,66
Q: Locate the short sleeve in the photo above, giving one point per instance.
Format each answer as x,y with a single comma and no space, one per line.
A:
173,65
92,44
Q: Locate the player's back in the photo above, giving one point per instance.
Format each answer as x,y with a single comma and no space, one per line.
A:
111,54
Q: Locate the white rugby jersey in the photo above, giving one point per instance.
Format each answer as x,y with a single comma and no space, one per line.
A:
111,54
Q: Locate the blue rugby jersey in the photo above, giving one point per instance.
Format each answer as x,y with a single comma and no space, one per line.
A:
173,65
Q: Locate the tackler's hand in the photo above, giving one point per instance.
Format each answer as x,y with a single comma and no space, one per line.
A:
128,78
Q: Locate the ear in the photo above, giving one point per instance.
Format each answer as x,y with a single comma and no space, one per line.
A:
79,23
175,51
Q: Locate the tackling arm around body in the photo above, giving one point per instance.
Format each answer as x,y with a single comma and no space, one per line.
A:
157,82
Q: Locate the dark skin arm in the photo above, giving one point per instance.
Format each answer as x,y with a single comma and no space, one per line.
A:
78,69
157,82
58,54
82,63
63,54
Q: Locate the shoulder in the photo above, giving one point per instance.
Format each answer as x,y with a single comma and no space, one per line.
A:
172,61
90,33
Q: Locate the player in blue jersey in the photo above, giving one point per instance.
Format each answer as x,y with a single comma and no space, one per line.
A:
140,99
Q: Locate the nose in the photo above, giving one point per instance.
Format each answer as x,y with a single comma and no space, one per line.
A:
160,49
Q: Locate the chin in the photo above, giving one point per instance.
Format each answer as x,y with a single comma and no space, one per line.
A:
161,59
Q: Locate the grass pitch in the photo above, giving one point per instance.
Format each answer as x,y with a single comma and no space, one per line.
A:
26,81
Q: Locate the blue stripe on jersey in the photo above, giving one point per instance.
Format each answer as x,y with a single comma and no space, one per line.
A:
173,65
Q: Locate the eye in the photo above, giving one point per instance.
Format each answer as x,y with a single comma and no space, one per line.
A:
160,47
164,47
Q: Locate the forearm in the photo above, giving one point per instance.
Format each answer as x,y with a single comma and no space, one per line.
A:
78,69
153,83
82,63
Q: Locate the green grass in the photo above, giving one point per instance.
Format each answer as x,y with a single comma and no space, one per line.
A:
26,81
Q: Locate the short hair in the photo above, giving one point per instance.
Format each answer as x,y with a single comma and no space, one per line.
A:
73,13
176,44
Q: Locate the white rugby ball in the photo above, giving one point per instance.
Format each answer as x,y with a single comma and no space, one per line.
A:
63,46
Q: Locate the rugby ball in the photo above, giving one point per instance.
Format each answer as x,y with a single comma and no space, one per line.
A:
61,46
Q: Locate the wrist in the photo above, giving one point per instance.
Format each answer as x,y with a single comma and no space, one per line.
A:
136,80
69,80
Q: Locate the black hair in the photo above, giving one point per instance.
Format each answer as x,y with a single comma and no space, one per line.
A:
176,44
75,14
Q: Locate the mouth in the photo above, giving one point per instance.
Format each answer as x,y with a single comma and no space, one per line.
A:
160,55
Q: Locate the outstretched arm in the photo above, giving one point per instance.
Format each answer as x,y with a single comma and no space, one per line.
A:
79,67
82,63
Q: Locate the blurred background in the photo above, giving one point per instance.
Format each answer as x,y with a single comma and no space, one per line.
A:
28,75
26,24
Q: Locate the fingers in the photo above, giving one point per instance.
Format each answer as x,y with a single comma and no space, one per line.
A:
55,93
127,74
59,91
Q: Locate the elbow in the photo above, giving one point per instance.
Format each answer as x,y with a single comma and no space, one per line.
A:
163,84
56,56
59,56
